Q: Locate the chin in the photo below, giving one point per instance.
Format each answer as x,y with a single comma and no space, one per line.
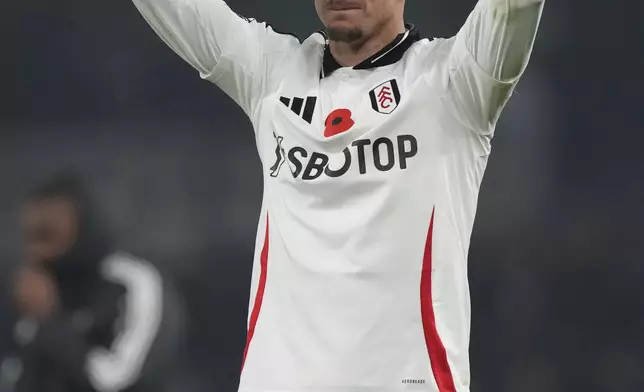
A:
344,31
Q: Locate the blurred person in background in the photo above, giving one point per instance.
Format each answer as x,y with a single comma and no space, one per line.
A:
91,318
374,142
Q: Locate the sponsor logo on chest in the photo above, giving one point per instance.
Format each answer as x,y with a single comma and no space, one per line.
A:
364,155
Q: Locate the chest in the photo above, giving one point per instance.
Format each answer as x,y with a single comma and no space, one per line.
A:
353,126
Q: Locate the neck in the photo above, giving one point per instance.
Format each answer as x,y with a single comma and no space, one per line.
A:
350,54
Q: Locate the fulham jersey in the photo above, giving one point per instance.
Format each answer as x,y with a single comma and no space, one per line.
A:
371,177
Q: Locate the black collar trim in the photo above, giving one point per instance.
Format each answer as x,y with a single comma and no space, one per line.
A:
390,54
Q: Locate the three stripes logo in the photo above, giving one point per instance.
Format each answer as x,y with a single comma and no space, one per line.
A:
299,106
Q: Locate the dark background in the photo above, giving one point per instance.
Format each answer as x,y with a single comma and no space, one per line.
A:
557,255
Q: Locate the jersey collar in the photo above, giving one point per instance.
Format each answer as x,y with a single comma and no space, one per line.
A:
390,54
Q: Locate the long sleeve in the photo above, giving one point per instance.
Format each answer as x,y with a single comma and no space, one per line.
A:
236,53
121,365
489,55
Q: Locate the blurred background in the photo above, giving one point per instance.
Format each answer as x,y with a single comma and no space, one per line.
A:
557,254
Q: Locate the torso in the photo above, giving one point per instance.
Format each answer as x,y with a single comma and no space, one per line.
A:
349,208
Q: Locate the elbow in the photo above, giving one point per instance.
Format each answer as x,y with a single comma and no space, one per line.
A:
508,10
506,6
520,4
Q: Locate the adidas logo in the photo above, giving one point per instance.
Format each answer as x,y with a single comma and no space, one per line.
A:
301,108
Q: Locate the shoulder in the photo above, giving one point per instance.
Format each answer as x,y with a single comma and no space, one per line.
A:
276,39
431,62
315,42
434,50
310,49
296,60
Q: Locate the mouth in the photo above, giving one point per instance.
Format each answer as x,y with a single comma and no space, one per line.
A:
343,6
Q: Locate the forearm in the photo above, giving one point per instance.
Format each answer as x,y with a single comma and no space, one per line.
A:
200,31
500,34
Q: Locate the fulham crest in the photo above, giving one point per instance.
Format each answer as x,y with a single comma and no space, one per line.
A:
386,97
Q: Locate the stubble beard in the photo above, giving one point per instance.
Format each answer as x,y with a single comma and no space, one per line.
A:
345,35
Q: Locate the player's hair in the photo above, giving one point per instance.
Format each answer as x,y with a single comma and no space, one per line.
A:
67,184
95,236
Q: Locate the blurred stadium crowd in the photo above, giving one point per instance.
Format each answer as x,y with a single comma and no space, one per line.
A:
557,257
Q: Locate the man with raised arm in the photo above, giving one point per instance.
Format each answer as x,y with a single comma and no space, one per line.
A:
373,144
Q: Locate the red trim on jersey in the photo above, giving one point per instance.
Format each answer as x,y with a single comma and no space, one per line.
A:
259,296
435,347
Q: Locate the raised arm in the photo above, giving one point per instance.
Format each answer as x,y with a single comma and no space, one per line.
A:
489,56
234,52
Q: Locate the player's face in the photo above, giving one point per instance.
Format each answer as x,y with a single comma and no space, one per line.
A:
354,20
49,229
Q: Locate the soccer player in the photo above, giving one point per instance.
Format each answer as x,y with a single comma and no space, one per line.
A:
91,318
373,143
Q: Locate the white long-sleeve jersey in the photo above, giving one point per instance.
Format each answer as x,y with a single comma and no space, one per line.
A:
371,178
